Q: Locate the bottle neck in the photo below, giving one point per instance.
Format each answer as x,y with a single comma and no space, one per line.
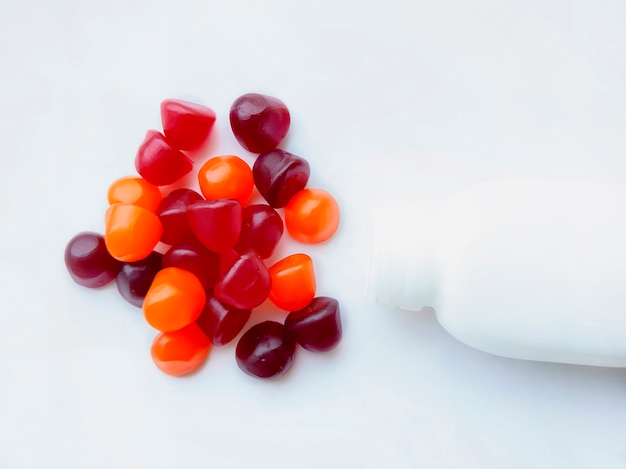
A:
402,258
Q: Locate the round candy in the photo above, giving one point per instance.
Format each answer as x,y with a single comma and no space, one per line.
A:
172,212
89,262
203,290
159,163
312,216
261,230
279,175
245,284
317,326
190,254
131,232
134,191
186,125
180,352
135,278
216,223
259,122
293,282
266,350
221,322
226,177
176,298
227,260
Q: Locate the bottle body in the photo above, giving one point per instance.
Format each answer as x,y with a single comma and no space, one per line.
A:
525,269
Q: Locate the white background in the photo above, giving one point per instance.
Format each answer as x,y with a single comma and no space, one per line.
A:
390,100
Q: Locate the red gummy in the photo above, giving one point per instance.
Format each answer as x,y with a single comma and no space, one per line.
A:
261,230
216,223
172,212
89,262
266,350
227,260
259,122
186,125
220,322
317,326
246,284
159,163
190,254
279,175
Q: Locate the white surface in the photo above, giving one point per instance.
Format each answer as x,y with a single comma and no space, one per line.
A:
388,99
522,268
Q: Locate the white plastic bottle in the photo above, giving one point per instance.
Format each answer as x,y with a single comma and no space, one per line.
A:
520,268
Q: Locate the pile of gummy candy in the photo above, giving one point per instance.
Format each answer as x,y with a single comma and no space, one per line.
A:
197,263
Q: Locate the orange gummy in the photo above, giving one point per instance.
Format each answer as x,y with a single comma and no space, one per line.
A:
180,352
131,232
312,216
226,177
293,282
175,299
135,191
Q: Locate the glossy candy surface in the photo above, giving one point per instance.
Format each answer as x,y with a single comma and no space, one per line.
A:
220,322
88,261
216,223
158,163
293,282
204,289
134,191
180,352
190,254
312,216
261,230
131,232
186,125
176,298
135,278
259,122
226,177
279,175
227,260
172,212
317,326
266,350
246,284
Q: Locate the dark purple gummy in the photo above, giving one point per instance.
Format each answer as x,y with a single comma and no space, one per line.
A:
220,322
316,327
259,122
278,175
172,212
135,278
88,261
266,350
261,230
190,254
